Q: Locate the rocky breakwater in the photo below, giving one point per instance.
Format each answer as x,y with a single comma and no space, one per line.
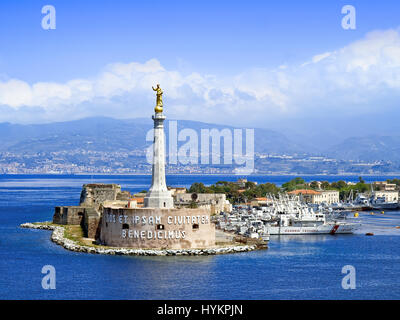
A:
57,237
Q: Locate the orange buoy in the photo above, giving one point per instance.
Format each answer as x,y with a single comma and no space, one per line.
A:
369,234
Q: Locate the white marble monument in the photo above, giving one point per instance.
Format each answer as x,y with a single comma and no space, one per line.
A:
158,195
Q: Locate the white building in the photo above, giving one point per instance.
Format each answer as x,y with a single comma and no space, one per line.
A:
317,197
386,186
390,196
327,196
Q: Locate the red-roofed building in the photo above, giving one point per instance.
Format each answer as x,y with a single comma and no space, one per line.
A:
304,192
322,196
262,201
139,201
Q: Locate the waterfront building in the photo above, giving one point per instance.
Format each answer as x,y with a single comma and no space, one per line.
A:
385,186
390,196
176,190
317,197
242,182
260,202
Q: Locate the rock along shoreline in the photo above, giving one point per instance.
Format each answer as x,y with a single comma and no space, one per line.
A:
57,237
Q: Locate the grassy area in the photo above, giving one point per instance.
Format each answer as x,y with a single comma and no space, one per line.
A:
74,233
47,223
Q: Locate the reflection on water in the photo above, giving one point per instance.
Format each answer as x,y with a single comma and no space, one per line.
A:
380,224
300,238
159,276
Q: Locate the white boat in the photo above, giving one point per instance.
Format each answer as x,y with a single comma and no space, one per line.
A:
361,203
288,215
309,224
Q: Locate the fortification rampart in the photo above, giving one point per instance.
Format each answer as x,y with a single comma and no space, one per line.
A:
157,228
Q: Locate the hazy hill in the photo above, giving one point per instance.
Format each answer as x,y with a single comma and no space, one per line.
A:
369,148
91,134
106,134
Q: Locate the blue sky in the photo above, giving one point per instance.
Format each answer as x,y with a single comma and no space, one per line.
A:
250,62
219,37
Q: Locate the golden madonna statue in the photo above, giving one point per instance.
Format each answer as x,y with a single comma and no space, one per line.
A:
159,104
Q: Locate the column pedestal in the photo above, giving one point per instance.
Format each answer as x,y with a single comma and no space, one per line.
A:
158,195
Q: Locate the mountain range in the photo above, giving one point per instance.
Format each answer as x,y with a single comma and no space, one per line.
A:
108,134
370,148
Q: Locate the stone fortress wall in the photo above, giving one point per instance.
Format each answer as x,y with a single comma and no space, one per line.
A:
94,195
215,202
88,213
98,201
157,228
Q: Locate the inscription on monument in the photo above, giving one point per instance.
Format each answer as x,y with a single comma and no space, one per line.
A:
155,220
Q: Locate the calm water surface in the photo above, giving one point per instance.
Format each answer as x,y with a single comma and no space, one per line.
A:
294,267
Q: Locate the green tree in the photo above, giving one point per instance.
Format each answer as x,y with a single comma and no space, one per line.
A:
325,185
394,181
314,185
197,188
294,184
361,187
250,185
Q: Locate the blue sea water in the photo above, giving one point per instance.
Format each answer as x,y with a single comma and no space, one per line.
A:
294,267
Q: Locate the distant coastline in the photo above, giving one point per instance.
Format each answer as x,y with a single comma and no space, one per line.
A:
394,174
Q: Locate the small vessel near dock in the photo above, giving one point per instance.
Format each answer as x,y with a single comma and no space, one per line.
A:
361,203
286,215
309,224
381,203
365,202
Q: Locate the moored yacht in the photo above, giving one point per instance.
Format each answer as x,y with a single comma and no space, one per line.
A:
287,215
309,224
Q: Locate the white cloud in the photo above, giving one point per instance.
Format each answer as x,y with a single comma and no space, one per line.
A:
15,93
317,58
320,57
342,80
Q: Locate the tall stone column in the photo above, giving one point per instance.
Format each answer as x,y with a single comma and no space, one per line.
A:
158,195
